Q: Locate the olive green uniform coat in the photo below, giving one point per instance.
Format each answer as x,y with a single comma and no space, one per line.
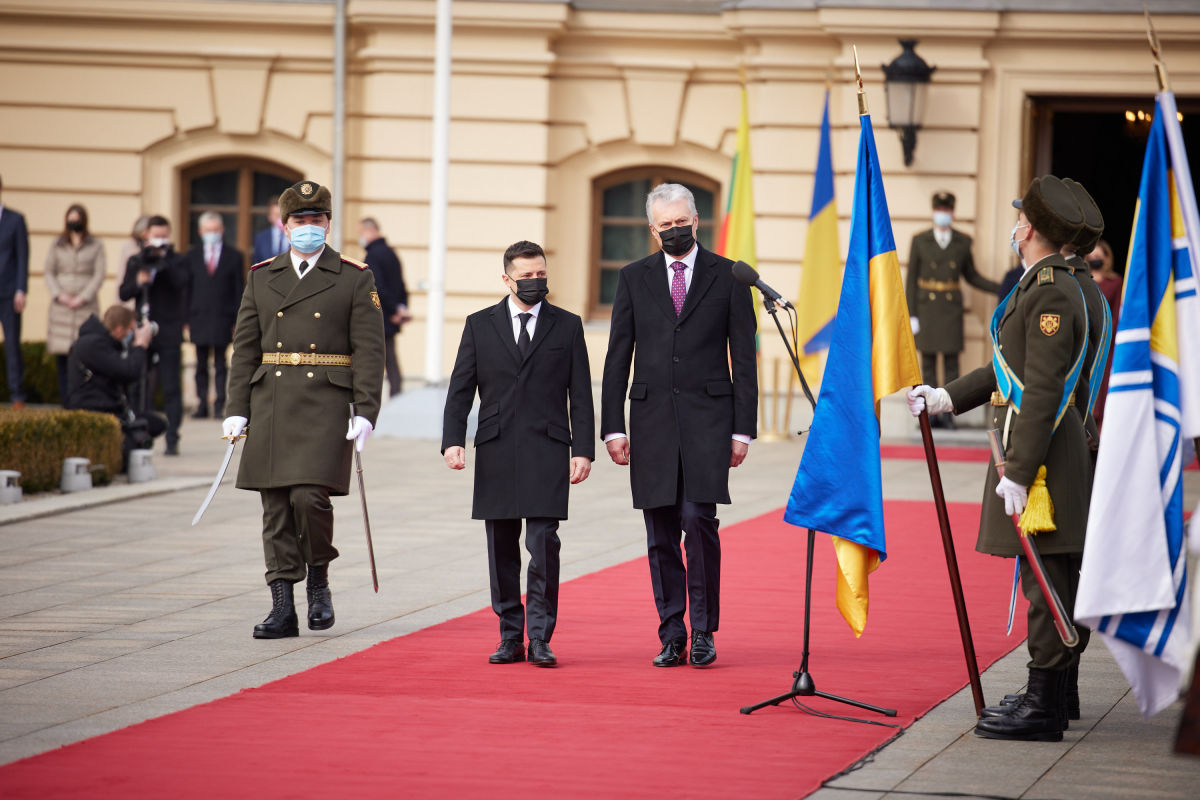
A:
941,312
297,415
1041,333
1095,303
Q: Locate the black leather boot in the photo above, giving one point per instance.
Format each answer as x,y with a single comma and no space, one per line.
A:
1071,695
1036,717
1064,702
320,601
281,622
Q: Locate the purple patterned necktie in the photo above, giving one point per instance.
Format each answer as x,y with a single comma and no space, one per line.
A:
678,286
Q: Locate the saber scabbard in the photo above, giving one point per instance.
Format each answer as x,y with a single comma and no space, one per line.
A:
362,495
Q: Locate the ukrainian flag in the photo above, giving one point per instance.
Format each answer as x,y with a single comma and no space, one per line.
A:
821,278
1133,587
839,486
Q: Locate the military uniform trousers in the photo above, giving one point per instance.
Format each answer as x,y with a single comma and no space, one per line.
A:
1046,648
504,564
929,368
696,589
297,530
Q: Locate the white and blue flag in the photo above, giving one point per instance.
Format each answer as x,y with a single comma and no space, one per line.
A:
1133,588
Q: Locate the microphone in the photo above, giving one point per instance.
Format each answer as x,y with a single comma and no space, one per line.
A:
745,274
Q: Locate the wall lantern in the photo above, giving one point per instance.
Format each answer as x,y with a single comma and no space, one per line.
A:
905,82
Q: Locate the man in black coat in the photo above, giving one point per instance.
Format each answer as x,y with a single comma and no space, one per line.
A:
100,369
393,295
215,283
683,321
529,363
156,278
14,282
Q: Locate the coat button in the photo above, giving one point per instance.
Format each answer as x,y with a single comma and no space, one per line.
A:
317,315
278,373
677,329
676,391
675,359
310,374
312,347
932,296
279,313
278,345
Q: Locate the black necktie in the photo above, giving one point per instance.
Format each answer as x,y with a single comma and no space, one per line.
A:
523,338
303,268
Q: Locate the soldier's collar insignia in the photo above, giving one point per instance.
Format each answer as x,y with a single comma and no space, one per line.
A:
1050,323
1045,275
306,189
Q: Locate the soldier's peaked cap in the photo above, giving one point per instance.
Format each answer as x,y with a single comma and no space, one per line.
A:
1093,220
943,200
306,197
1051,209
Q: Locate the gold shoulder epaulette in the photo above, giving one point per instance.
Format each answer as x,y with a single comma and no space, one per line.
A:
1045,275
358,264
261,263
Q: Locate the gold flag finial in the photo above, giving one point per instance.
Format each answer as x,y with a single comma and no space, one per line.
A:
862,95
1160,69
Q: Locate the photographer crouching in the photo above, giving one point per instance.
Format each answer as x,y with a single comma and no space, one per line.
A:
104,361
156,279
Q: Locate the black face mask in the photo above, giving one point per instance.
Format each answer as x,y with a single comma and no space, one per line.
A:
530,291
75,225
1095,263
677,241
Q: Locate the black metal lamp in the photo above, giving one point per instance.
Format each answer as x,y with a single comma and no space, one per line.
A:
906,80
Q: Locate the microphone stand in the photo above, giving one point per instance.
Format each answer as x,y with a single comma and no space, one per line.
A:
803,684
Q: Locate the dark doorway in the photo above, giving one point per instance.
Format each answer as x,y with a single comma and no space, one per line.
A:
1100,142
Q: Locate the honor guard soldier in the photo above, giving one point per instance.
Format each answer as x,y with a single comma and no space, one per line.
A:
1040,344
939,259
307,343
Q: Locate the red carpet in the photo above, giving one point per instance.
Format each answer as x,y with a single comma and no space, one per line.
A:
944,453
425,715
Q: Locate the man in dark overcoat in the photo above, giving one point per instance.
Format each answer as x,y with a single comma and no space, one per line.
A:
687,327
938,261
215,285
528,361
1040,339
393,295
307,343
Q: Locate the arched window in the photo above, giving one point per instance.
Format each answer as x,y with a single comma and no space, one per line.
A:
236,188
621,233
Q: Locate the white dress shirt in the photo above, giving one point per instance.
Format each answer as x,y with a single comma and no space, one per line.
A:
311,259
514,312
942,236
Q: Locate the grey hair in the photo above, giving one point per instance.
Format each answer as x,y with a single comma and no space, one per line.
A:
669,193
210,216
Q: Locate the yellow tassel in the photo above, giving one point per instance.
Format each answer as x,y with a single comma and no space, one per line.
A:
1038,515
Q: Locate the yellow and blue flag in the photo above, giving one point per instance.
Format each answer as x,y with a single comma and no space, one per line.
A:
821,277
839,485
1133,587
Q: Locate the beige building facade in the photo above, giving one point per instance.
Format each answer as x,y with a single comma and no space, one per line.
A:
560,114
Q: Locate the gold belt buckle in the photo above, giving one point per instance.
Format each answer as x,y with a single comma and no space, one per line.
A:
294,359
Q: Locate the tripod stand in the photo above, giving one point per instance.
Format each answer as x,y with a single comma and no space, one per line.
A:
803,685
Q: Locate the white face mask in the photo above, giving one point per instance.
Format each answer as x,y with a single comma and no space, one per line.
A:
362,242
1012,239
159,241
942,219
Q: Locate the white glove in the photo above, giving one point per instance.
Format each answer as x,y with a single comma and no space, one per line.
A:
359,429
936,400
1015,496
233,426
916,325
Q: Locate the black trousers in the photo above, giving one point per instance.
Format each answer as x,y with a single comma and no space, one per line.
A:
61,365
14,362
168,361
504,564
1046,648
220,373
929,368
391,366
297,530
696,589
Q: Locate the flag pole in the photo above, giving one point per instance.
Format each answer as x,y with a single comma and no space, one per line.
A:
1160,69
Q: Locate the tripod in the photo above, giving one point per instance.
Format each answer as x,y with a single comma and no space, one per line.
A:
803,685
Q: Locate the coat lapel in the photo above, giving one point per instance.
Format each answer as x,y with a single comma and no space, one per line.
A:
284,278
656,283
703,275
503,323
316,280
544,323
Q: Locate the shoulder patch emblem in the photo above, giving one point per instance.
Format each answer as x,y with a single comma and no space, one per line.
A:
1045,275
375,300
261,264
1050,324
358,264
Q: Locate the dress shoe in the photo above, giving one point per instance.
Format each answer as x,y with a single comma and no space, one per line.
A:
510,651
218,410
948,422
201,413
674,654
172,450
281,622
320,601
540,654
704,652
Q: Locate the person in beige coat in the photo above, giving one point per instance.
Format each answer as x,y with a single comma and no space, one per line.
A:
75,269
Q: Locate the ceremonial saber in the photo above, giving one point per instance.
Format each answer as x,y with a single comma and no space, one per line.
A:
216,484
960,604
362,495
1062,622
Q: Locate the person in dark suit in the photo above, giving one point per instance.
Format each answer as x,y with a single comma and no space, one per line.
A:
389,280
683,321
528,361
156,278
215,283
271,240
14,282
